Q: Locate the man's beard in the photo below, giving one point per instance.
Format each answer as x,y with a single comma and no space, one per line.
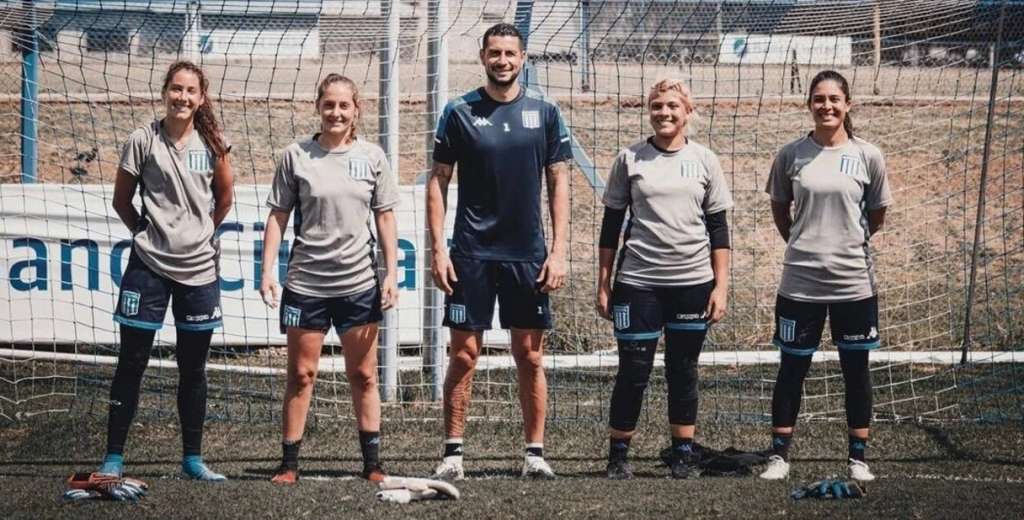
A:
492,79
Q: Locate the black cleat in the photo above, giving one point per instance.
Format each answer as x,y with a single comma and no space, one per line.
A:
619,470
683,464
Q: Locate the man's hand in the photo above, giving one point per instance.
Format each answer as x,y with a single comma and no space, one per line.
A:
552,273
715,310
604,301
388,292
270,291
443,271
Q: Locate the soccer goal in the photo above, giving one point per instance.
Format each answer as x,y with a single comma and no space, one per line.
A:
937,85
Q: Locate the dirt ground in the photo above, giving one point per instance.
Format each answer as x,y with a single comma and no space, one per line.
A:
925,471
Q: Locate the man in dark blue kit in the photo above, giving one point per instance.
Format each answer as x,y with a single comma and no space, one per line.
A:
503,137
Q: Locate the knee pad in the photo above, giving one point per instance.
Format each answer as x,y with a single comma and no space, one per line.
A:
636,359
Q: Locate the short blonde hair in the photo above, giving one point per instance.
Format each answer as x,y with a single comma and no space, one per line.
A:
672,85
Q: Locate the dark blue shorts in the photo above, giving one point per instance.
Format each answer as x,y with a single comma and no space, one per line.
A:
798,325
145,294
641,313
521,304
341,312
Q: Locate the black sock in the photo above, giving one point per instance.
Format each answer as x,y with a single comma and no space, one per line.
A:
453,447
535,449
682,444
857,447
618,449
780,444
369,444
290,454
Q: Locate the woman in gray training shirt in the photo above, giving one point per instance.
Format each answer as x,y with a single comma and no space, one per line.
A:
673,272
837,185
334,181
180,166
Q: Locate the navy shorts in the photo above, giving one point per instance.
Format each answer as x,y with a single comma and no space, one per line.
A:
641,313
341,312
521,304
145,295
798,325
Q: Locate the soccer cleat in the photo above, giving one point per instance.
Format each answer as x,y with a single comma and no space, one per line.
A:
859,471
683,464
194,468
619,470
374,473
777,469
450,468
285,476
537,468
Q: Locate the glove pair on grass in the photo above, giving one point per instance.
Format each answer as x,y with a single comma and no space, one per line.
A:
85,486
829,488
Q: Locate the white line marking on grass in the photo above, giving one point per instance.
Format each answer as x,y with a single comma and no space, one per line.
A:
955,478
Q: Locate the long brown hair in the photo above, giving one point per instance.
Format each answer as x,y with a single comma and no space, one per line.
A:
831,75
329,80
203,120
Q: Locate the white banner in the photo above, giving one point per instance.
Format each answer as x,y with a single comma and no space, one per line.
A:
63,249
761,49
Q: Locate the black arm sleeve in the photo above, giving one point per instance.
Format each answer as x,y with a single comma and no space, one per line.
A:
611,226
718,230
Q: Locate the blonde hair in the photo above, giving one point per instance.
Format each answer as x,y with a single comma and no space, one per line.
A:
672,85
331,79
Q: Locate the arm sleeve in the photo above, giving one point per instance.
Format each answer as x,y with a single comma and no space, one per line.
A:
385,193
877,194
780,186
717,197
616,190
133,155
447,136
284,189
718,229
611,227
559,145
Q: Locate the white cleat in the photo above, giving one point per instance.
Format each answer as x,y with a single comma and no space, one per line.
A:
537,468
777,469
859,471
449,469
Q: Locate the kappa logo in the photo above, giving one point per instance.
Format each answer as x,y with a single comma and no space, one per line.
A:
457,313
216,312
199,161
531,119
873,333
130,302
481,121
690,169
291,316
787,329
620,314
359,169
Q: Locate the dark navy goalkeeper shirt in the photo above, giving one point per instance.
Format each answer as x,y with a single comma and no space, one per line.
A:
501,150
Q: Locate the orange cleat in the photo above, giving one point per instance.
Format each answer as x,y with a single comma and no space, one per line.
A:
374,473
285,476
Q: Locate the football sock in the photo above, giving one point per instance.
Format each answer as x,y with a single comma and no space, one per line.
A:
369,445
857,447
290,454
535,449
618,449
453,447
780,444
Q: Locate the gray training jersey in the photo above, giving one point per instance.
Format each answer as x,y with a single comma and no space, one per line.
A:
333,193
175,235
827,257
668,194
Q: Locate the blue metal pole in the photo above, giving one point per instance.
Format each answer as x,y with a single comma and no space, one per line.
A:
29,97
